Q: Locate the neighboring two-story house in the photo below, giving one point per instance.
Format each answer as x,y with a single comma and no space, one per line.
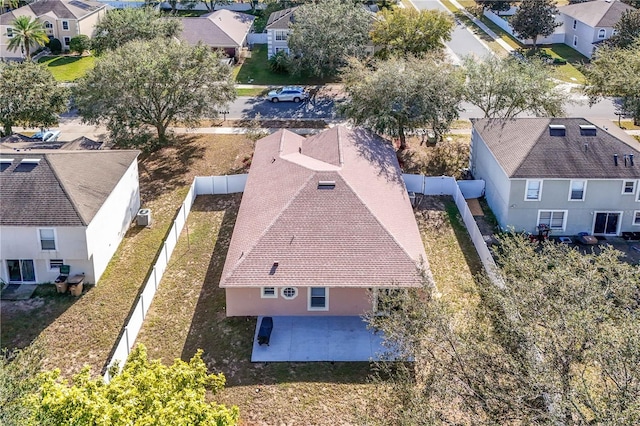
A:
571,174
64,207
585,25
278,31
62,19
325,223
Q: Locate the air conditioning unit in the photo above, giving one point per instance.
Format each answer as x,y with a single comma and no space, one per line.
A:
143,218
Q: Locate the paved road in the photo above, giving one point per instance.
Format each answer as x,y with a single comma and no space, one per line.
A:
463,42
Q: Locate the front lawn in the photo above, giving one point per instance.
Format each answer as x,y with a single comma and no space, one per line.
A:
255,70
68,68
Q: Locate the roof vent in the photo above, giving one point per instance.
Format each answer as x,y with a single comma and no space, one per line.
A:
30,161
326,184
557,130
6,160
588,130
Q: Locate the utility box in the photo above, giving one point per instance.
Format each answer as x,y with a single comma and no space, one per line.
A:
143,218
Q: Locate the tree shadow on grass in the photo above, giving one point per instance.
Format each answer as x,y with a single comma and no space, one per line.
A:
64,60
227,342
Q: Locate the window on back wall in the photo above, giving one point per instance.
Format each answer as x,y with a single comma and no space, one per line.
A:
601,33
318,299
575,23
534,190
554,219
629,187
269,293
67,41
47,239
55,263
65,25
289,292
10,32
636,218
281,35
577,190
575,40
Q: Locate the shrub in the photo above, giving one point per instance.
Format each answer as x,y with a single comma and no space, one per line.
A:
280,62
79,44
559,61
55,46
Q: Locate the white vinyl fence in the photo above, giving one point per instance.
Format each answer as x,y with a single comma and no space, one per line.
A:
213,185
200,186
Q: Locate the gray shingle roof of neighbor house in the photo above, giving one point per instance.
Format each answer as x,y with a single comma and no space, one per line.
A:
62,9
63,188
332,210
525,148
280,19
597,13
222,28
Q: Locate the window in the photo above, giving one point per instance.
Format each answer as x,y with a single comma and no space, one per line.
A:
318,299
601,33
10,32
269,293
629,187
21,270
636,218
575,40
554,219
55,263
48,25
65,25
281,35
575,23
534,189
577,190
47,239
282,49
67,41
289,293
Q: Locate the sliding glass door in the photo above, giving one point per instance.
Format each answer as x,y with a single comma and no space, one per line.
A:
21,270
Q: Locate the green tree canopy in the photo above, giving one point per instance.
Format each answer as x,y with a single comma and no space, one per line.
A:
555,342
145,392
27,32
325,34
18,380
120,26
80,44
411,32
29,96
153,84
400,95
627,29
495,5
504,88
535,18
615,72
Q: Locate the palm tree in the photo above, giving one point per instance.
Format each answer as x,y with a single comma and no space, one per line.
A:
27,31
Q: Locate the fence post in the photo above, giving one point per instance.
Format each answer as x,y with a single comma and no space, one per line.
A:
126,336
166,255
142,305
155,278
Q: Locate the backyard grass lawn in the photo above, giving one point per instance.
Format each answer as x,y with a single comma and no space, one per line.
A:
255,70
68,68
78,331
187,313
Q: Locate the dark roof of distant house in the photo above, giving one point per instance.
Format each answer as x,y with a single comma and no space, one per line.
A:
598,13
222,28
62,9
63,188
331,209
525,148
280,19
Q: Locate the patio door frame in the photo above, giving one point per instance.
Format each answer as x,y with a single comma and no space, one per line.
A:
618,225
20,263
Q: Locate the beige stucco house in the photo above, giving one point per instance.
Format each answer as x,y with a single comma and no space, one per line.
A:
223,29
62,19
324,224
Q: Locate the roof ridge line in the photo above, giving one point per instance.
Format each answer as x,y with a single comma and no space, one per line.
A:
64,189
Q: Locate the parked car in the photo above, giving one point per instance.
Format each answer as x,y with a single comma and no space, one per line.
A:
47,135
288,93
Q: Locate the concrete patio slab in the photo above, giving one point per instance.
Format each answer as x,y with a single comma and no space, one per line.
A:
318,338
18,291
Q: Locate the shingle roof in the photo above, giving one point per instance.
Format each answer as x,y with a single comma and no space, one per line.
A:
66,188
524,148
280,19
222,28
361,233
62,9
598,13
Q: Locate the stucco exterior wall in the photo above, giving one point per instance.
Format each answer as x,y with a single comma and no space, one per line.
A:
87,24
21,242
110,224
273,45
585,34
342,302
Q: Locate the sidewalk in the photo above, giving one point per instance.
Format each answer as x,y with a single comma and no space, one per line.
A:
483,27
